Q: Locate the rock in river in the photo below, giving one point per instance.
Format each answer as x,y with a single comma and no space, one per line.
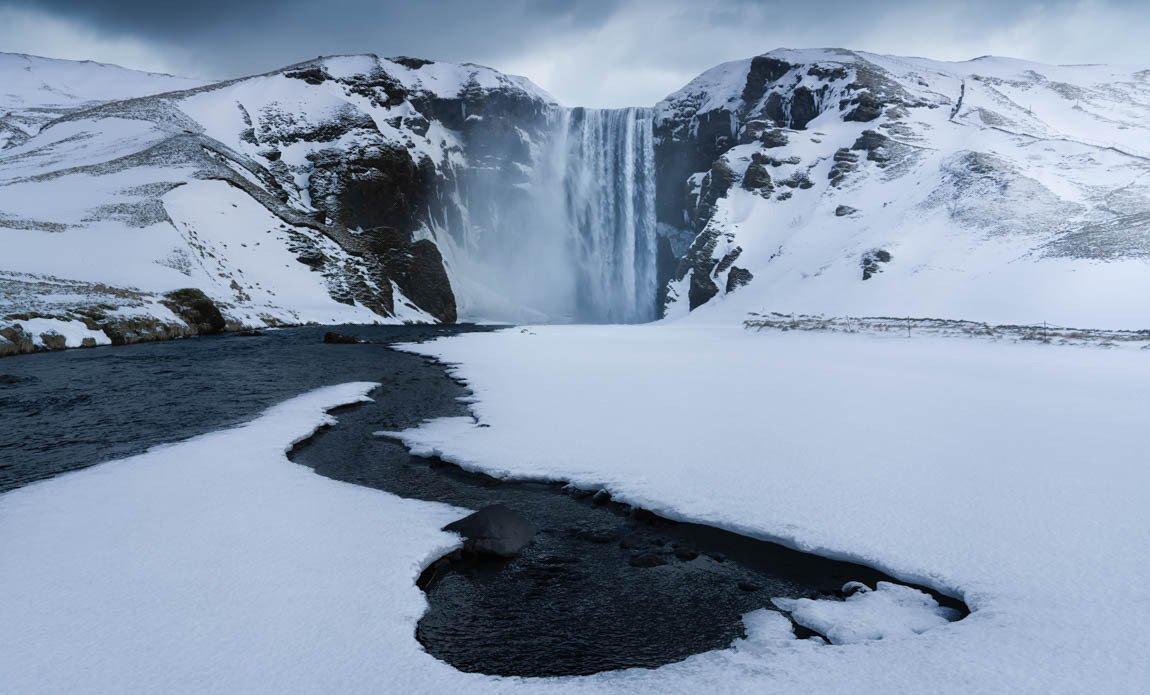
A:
494,530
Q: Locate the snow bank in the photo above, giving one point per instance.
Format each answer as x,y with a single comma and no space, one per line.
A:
1012,476
73,332
215,565
891,611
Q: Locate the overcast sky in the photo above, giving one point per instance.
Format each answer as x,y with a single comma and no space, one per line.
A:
585,52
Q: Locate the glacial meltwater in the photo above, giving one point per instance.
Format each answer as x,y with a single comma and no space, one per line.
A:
602,586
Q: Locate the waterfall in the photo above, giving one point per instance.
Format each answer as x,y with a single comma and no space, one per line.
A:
557,223
609,182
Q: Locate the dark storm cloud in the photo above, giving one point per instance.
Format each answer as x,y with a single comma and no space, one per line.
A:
598,52
295,26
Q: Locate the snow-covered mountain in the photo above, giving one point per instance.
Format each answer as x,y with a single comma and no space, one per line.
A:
35,91
289,197
354,188
831,181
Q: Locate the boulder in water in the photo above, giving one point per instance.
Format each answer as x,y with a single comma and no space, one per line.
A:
333,338
494,530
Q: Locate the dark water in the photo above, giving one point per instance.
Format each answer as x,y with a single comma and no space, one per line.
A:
601,587
60,411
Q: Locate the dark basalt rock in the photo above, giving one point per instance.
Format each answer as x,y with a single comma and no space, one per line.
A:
798,179
367,187
757,178
716,184
333,338
774,138
804,109
420,274
412,63
311,75
495,530
875,145
196,309
738,277
701,290
868,107
845,162
871,260
844,210
773,109
763,71
828,73
312,258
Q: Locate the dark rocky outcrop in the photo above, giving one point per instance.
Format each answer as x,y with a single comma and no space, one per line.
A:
804,108
196,309
14,340
368,186
333,338
495,530
738,277
418,271
867,107
714,186
774,138
871,260
844,210
845,162
757,178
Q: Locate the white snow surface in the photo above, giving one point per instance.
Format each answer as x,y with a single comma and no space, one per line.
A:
1012,476
35,90
215,566
890,611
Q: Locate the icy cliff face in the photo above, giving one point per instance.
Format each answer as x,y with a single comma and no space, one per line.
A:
830,181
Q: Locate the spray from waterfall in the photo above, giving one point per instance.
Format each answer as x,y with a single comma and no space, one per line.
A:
568,234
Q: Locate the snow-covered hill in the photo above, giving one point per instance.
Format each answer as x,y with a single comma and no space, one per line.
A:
830,181
353,188
304,195
35,91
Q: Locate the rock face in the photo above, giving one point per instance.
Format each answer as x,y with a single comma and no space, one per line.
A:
757,158
494,530
367,172
196,309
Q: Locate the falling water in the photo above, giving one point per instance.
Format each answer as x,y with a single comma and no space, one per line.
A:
564,233
609,183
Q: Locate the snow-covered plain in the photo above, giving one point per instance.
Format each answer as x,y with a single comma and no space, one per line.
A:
1012,476
1009,475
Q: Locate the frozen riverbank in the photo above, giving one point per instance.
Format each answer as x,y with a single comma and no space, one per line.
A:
1008,474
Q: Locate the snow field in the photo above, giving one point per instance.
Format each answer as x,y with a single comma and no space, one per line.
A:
1011,476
